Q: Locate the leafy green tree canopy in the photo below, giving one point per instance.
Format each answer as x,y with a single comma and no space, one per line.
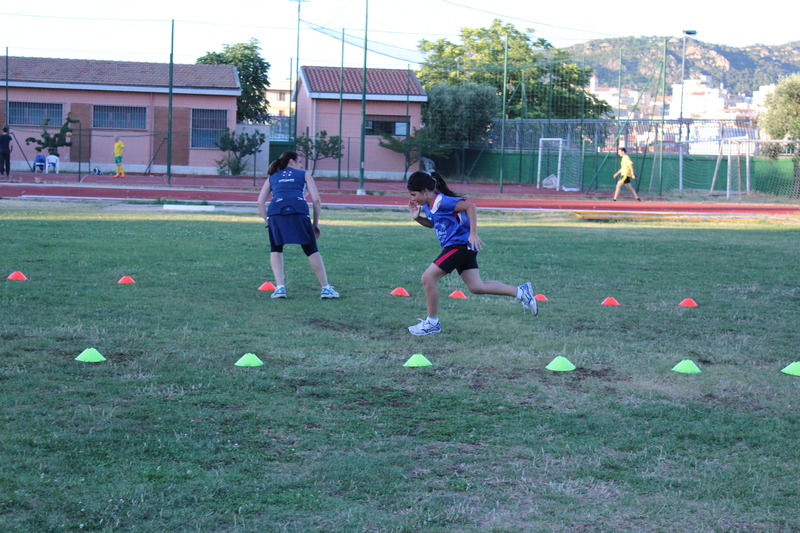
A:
782,118
52,143
252,104
541,82
457,114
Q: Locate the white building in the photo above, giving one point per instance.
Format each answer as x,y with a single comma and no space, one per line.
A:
702,100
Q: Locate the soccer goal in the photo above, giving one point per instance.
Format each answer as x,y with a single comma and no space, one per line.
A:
753,165
559,165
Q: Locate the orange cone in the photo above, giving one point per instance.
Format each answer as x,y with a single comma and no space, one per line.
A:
541,297
267,286
18,276
688,302
126,279
610,301
458,294
399,291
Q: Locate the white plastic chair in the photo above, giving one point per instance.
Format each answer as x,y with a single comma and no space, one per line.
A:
52,162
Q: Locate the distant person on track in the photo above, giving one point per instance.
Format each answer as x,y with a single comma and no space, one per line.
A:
119,147
625,174
288,219
5,154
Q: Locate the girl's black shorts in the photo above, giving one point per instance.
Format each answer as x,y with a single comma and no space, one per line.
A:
459,258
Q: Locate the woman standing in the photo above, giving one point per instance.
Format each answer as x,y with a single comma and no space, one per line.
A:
288,219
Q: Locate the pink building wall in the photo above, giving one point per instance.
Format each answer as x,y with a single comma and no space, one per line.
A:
140,145
315,115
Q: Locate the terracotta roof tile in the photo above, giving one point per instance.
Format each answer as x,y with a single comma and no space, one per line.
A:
96,72
379,81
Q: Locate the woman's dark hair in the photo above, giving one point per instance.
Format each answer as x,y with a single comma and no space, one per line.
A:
282,162
431,181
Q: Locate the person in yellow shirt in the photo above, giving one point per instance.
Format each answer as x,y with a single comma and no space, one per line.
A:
625,174
119,147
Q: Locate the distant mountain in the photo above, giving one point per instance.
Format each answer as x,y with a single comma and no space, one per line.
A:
742,70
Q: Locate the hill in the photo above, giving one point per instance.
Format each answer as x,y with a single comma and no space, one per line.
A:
742,70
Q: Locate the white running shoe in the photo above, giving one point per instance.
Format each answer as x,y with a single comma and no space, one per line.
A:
425,328
280,292
525,292
328,292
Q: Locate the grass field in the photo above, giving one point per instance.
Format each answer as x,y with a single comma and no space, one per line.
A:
334,434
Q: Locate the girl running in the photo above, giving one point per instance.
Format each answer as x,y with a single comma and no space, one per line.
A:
455,221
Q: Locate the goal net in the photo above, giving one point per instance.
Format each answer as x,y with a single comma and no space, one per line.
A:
559,165
748,165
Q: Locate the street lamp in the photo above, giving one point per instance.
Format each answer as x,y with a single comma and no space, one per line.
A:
297,68
683,76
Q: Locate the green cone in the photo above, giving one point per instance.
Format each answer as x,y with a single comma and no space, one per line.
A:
793,369
560,364
249,359
90,355
686,366
417,360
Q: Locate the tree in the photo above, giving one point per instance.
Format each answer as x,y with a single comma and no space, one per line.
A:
553,86
782,118
414,146
237,149
52,143
320,147
458,114
252,104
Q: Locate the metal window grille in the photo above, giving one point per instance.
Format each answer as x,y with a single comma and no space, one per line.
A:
280,128
207,126
119,117
380,124
35,114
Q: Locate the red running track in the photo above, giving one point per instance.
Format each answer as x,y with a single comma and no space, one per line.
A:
222,190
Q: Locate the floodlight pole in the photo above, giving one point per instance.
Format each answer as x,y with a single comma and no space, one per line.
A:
503,126
361,190
683,76
169,105
297,68
6,121
341,95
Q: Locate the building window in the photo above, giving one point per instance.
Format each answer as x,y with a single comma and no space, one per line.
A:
281,96
35,114
119,117
207,126
386,124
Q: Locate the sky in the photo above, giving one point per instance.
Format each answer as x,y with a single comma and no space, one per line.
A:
142,30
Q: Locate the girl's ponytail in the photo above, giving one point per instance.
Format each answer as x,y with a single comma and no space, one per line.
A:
432,181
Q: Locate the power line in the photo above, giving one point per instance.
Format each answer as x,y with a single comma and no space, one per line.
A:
529,21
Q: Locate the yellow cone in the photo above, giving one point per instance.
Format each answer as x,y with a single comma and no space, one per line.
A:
249,359
560,364
686,366
90,355
417,360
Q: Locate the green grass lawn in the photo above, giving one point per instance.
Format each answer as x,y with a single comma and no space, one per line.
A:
334,434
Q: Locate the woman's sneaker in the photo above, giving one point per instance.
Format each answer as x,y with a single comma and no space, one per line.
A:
425,328
280,292
526,296
328,292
